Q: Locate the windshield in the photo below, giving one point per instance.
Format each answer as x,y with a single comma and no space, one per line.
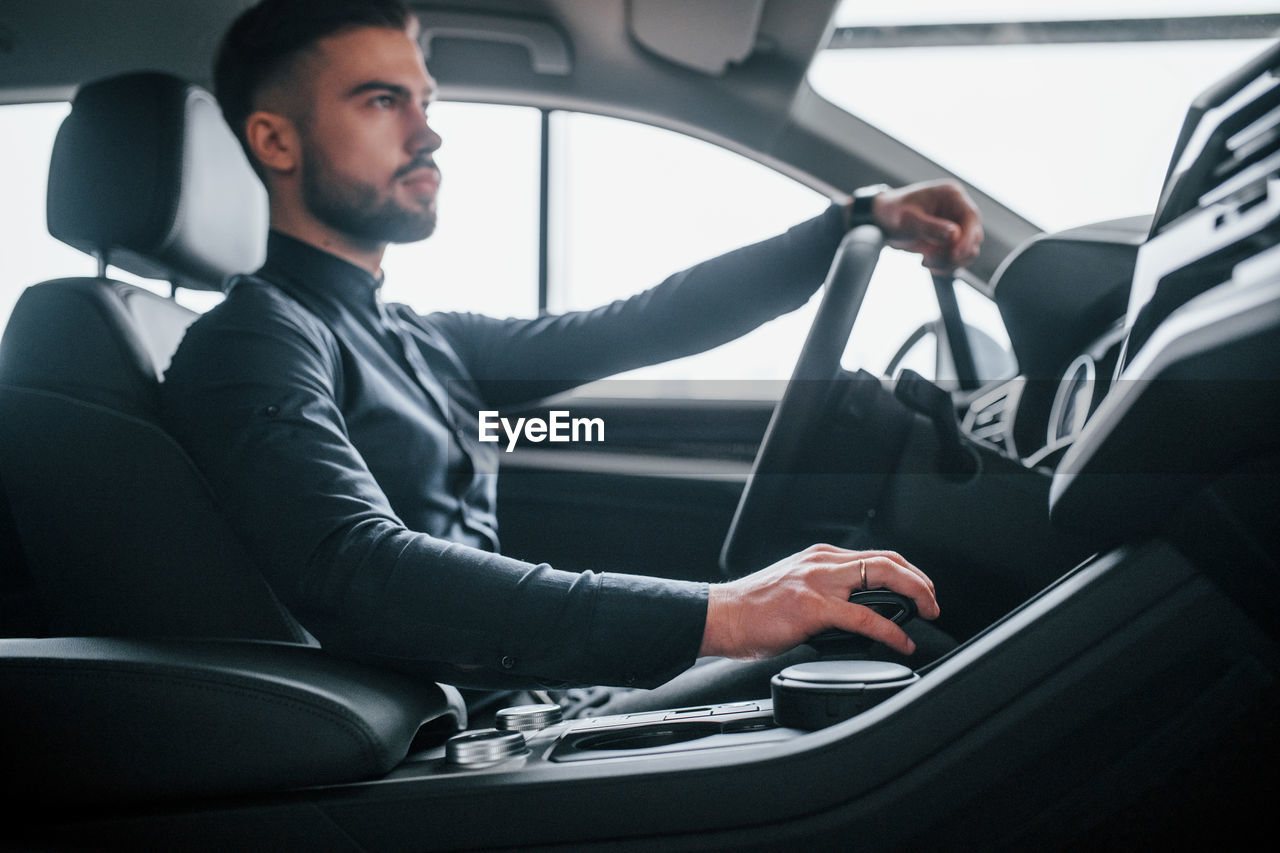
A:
1066,112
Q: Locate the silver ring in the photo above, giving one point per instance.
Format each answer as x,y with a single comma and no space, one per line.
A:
862,569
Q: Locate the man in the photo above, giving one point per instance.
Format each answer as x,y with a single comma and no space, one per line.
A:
340,433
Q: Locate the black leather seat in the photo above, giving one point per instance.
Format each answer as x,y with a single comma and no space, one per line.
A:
119,534
145,672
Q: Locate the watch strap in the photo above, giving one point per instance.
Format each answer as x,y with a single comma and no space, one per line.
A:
859,209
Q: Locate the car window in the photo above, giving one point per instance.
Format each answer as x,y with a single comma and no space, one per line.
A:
483,256
631,204
27,253
899,300
483,259
628,204
1064,110
30,254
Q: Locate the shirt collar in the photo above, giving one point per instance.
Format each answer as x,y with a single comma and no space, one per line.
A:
317,270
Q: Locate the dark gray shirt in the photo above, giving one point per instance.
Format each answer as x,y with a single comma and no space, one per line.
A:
341,437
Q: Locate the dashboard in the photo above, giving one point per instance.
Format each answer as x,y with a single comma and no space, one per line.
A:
1146,345
1063,298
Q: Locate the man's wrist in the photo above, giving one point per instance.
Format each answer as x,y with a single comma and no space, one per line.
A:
714,641
860,208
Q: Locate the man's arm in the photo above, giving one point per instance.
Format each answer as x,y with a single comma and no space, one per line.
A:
253,393
693,310
708,304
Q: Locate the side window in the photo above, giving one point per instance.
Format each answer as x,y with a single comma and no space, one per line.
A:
484,254
628,205
992,349
484,258
28,253
898,327
631,204
900,302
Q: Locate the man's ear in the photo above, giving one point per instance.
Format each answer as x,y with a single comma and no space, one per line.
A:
274,141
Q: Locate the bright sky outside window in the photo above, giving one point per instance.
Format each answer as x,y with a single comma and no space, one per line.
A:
483,256
27,253
1062,133
858,13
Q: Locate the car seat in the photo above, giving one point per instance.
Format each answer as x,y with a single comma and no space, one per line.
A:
145,656
118,532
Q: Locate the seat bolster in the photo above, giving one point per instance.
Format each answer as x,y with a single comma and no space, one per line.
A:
120,533
94,339
96,720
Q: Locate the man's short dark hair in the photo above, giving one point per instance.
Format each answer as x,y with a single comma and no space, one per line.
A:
267,37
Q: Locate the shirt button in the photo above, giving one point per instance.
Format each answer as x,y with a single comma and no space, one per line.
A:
508,662
631,678
271,411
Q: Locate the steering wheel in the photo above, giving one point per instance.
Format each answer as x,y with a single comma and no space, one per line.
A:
803,401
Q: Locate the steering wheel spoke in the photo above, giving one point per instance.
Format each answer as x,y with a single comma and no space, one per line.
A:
761,508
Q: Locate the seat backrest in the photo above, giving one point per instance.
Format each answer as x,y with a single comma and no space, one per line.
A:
117,531
20,612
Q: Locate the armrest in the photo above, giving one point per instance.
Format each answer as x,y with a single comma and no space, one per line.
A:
110,720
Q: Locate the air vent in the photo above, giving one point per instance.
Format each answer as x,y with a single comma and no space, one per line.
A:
1259,140
990,416
1231,141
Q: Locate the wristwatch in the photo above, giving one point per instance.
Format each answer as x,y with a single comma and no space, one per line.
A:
858,210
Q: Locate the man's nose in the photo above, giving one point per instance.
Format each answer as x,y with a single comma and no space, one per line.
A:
422,137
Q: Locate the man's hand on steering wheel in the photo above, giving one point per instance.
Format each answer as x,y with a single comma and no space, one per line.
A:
779,607
936,219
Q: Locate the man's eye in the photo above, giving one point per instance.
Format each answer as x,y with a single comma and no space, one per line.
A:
385,102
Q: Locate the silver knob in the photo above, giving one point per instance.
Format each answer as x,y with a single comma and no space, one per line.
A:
483,746
528,718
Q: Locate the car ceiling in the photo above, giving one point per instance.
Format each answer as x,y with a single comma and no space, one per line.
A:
731,71
50,47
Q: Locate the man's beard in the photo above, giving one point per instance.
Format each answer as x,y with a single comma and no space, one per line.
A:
355,209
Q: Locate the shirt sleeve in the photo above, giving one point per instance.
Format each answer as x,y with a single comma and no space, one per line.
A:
692,311
253,395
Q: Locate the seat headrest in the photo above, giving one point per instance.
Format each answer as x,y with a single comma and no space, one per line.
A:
146,173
